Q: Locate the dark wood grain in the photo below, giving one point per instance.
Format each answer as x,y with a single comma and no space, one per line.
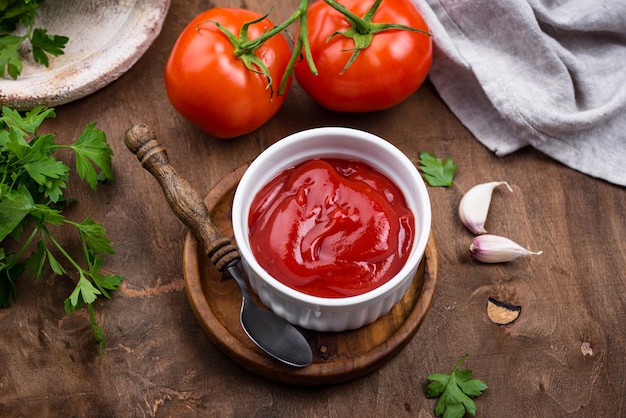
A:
565,356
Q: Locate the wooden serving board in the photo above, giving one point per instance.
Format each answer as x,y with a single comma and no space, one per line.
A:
337,356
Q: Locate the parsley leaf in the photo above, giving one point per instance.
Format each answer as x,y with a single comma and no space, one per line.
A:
9,56
83,290
45,171
30,122
455,392
31,195
16,13
8,270
91,148
107,282
14,206
94,237
435,171
44,44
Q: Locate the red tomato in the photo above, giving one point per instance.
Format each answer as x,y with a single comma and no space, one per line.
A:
384,74
211,87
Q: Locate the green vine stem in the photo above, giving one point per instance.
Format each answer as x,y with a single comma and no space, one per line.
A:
301,45
362,32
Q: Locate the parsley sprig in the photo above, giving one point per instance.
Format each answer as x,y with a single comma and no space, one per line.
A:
455,392
437,172
17,13
31,199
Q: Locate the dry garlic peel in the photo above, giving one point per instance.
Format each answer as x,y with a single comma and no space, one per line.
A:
489,248
474,205
502,313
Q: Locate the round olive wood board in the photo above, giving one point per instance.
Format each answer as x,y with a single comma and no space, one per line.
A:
337,356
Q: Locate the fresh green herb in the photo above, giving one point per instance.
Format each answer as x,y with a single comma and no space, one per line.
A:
13,15
455,392
31,199
435,171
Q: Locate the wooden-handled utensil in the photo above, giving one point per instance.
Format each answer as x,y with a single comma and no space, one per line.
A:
272,334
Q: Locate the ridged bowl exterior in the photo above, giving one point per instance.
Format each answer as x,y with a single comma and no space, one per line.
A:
318,318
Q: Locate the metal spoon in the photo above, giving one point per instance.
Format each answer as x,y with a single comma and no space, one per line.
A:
271,333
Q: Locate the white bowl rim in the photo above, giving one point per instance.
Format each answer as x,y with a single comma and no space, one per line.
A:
422,219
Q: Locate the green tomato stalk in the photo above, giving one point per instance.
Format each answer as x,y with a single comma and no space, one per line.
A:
362,29
244,47
301,44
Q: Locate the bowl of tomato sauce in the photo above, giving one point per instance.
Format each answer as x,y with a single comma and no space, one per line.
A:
332,224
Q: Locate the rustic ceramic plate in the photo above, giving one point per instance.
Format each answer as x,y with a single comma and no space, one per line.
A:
337,356
106,37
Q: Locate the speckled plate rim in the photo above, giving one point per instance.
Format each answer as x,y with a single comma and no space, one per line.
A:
319,373
73,77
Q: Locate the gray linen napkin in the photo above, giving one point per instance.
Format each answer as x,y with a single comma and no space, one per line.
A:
550,74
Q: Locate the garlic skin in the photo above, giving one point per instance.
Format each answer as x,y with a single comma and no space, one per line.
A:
488,248
474,205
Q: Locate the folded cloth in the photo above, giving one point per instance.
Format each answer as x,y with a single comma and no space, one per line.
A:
550,74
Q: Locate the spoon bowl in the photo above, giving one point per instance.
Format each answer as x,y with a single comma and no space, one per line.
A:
267,330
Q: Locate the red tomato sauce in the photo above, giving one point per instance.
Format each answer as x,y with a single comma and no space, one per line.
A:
331,228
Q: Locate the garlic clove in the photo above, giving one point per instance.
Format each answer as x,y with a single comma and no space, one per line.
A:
489,248
474,205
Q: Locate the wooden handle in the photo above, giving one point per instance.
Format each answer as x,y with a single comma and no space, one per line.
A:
181,196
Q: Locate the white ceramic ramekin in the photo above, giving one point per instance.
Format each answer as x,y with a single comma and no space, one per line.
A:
331,314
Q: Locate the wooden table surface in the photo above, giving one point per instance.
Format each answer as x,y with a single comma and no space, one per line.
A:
564,356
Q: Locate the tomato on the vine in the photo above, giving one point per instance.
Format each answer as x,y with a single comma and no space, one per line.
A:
386,72
212,87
